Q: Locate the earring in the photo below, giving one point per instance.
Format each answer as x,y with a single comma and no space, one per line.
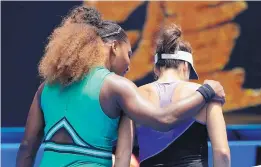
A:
156,77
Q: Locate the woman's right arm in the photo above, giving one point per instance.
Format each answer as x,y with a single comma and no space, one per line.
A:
34,132
144,112
218,136
213,116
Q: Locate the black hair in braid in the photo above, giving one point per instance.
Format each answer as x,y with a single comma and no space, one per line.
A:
107,30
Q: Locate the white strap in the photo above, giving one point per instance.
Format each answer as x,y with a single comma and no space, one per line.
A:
180,55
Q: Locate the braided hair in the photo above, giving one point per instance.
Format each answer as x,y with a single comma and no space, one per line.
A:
107,30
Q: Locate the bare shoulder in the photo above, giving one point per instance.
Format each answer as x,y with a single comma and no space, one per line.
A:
189,87
146,87
118,83
192,85
146,90
185,89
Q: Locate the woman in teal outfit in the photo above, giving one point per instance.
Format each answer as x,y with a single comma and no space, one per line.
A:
81,109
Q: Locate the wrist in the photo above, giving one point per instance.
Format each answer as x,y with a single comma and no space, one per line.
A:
207,92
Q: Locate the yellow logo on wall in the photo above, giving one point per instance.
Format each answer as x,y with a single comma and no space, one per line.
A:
207,26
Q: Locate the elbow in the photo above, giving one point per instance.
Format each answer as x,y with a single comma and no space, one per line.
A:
122,160
124,155
166,123
223,155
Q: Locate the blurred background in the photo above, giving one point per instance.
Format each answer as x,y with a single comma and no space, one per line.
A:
225,37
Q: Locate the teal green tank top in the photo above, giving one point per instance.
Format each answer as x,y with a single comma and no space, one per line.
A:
76,111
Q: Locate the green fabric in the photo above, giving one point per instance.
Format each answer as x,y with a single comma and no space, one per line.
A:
79,105
53,159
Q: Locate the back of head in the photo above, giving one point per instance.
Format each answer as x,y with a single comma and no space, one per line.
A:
74,48
170,42
106,29
76,45
112,31
85,15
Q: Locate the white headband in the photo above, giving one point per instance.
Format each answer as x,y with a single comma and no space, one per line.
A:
180,55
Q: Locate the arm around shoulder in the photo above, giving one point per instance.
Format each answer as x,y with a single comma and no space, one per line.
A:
142,111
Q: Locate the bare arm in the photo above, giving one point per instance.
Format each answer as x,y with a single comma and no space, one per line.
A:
144,112
34,131
217,132
215,124
125,142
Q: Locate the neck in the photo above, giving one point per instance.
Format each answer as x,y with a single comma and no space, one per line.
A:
169,75
106,62
107,65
